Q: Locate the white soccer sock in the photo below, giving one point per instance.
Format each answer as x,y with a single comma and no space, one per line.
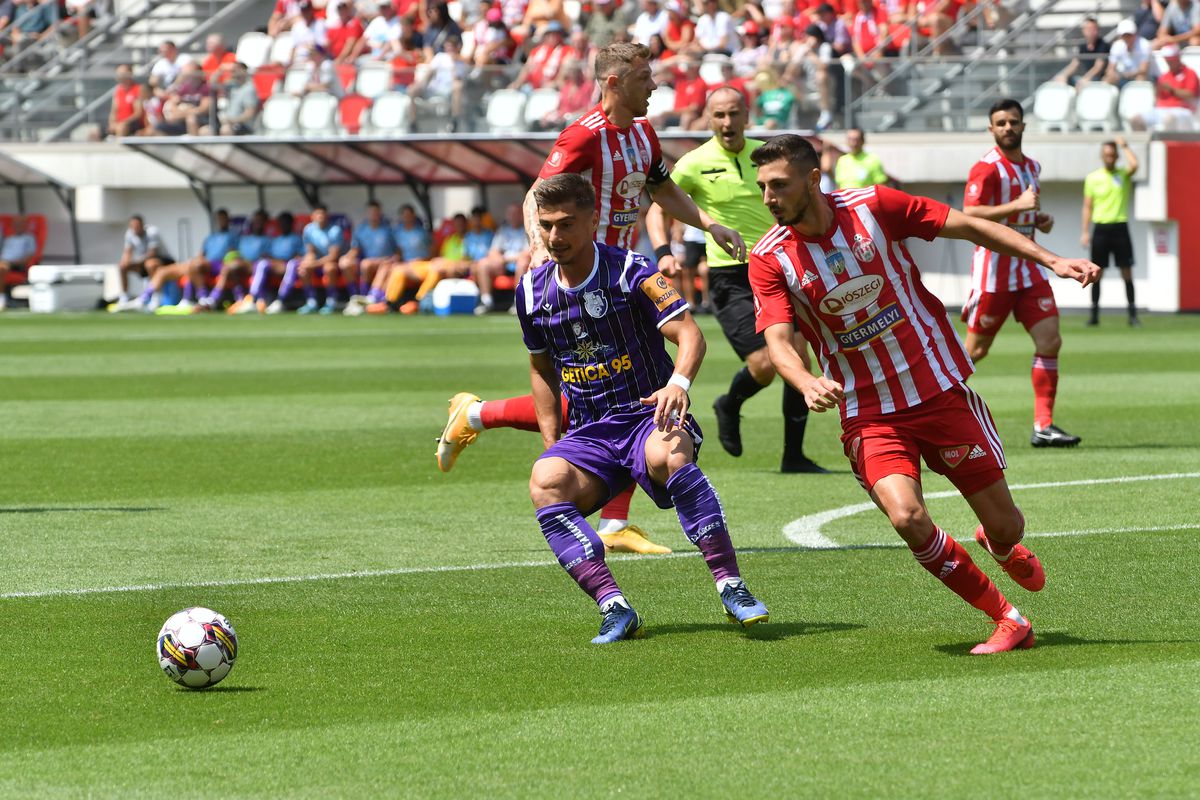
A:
721,584
612,525
1015,616
473,415
618,599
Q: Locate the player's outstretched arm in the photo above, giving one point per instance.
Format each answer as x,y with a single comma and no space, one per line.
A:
658,228
820,393
1028,201
543,381
1002,239
681,207
671,402
537,248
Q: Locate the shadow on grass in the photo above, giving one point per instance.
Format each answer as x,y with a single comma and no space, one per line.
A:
1063,639
765,632
223,689
76,509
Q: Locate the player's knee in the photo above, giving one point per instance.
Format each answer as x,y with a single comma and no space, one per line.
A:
547,485
1006,529
910,519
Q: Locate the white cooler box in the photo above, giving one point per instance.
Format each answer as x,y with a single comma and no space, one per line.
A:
454,296
58,288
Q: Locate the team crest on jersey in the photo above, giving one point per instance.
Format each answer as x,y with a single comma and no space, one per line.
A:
835,261
972,189
953,456
595,303
555,158
863,248
1045,303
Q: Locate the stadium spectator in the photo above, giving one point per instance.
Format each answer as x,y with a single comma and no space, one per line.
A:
492,43
371,246
152,105
323,243
126,116
7,10
439,29
198,270
33,20
1148,18
308,33
539,14
680,34
818,64
1106,194
652,21
166,69
574,96
411,235
443,79
690,93
773,108
283,256
545,60
381,38
730,78
606,23
715,31
1092,57
80,13
220,59
934,19
871,38
1131,57
345,36
752,51
252,247
16,254
187,103
858,169
283,16
1175,104
242,105
143,253
835,30
509,253
322,74
580,48
1180,24
785,55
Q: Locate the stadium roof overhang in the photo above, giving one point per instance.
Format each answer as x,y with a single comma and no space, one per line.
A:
20,177
418,161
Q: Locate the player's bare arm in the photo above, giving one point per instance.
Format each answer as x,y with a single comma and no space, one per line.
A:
681,207
543,380
658,228
533,229
671,402
1085,238
1002,239
820,393
1028,201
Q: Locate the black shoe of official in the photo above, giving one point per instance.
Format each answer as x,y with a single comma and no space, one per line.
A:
1093,320
1053,436
729,426
802,464
1134,322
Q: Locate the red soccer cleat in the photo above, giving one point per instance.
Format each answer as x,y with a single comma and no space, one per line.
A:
1009,635
1022,565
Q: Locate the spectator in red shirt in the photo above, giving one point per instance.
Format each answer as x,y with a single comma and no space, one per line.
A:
545,60
934,18
582,49
127,116
344,38
574,97
869,33
219,61
283,16
1175,106
681,31
493,43
730,78
691,92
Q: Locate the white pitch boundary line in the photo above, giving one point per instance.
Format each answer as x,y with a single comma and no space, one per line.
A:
806,531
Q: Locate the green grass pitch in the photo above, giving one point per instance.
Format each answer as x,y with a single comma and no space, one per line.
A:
249,464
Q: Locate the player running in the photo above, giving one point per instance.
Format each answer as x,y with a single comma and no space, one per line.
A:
836,267
720,177
614,145
594,319
1003,187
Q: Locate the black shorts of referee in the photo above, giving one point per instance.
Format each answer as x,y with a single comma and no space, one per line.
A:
1110,240
733,305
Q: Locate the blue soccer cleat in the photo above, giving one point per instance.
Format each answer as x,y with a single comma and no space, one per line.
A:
310,307
741,606
619,622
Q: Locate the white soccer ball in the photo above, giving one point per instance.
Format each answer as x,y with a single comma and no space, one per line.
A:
196,647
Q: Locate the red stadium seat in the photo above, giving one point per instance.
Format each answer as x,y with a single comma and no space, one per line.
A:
39,228
266,78
351,110
346,74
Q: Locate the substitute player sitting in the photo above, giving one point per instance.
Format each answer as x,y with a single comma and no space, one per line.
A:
593,319
836,267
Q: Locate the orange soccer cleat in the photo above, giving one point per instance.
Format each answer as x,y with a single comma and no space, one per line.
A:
1010,634
1021,565
379,308
411,307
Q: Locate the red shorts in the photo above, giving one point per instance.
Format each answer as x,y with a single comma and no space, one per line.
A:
953,432
985,312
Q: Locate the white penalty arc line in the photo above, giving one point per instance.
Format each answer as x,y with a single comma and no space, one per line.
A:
806,531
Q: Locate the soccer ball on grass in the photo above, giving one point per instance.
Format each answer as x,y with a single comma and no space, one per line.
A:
196,647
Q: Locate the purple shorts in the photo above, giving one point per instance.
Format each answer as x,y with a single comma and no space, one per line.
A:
614,450
215,264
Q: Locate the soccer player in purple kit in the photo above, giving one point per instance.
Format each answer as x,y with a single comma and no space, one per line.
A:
594,318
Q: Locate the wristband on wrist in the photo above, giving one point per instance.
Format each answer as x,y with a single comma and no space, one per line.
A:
662,250
680,381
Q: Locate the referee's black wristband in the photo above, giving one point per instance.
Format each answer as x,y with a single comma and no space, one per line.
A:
662,250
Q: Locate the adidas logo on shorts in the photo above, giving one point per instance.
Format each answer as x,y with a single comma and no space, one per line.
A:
976,452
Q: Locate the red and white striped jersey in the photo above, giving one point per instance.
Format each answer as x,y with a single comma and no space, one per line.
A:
856,295
994,181
619,161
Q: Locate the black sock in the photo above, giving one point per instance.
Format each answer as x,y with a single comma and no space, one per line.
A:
742,388
795,419
1095,298
1129,297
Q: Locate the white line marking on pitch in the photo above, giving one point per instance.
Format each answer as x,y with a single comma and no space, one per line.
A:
806,531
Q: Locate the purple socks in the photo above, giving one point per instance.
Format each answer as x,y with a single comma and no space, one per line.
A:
289,278
703,520
579,549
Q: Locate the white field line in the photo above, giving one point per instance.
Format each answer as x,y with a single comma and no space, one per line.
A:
806,531
383,573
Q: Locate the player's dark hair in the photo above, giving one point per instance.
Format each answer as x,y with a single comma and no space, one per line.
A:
1109,143
1007,104
221,212
372,203
567,188
796,150
320,207
138,217
287,223
618,57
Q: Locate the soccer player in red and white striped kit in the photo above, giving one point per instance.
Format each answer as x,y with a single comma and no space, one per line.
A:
836,268
1003,186
615,146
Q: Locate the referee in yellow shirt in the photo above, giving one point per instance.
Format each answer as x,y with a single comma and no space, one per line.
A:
1106,203
720,177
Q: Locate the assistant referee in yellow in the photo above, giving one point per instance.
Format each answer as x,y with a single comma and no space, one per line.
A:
720,177
1106,194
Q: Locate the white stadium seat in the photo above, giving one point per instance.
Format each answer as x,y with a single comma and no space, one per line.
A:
392,112
279,115
281,49
540,103
318,114
506,111
253,49
1096,106
1052,103
373,79
295,80
661,102
710,69
1136,97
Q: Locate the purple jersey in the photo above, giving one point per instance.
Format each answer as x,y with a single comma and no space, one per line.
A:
602,334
